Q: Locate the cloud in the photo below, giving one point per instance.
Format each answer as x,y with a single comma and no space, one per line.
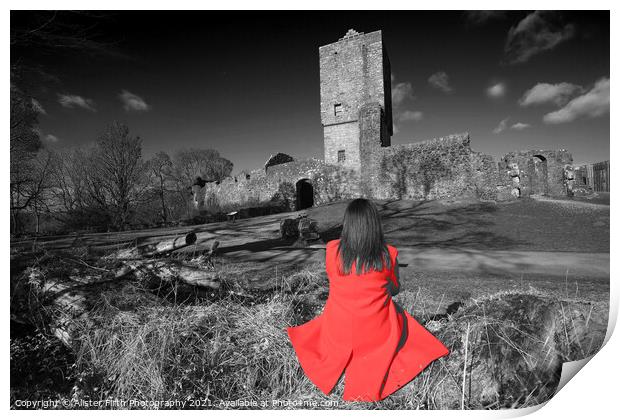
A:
440,81
479,17
132,102
537,32
543,93
73,101
410,116
520,126
38,108
497,90
591,104
51,138
401,92
501,126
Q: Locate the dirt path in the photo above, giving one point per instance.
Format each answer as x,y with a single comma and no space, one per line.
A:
554,263
462,260
573,204
449,275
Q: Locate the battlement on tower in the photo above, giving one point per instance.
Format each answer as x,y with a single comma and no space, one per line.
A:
351,33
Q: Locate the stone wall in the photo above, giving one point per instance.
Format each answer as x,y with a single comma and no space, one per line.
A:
278,186
438,168
485,178
435,169
537,172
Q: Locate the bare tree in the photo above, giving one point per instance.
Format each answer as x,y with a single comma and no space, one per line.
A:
36,190
204,163
219,168
67,185
24,145
190,164
75,185
118,171
40,189
159,168
78,198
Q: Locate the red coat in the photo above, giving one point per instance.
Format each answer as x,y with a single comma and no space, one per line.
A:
364,333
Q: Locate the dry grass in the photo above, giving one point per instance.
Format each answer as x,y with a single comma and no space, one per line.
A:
225,349
506,348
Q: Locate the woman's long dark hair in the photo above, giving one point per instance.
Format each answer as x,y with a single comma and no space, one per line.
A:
362,241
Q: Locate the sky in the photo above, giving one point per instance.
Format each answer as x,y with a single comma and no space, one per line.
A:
247,83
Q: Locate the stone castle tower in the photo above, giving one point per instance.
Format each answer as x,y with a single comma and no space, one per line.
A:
356,98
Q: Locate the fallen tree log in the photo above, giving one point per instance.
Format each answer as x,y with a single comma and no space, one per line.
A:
62,295
62,304
187,273
163,247
171,271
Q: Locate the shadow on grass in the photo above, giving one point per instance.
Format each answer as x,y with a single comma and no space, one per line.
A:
427,224
424,224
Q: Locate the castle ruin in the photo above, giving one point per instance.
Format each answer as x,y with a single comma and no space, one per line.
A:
359,160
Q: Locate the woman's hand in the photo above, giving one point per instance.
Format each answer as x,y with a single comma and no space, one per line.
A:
391,288
395,285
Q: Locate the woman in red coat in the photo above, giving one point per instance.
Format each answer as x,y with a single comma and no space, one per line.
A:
361,330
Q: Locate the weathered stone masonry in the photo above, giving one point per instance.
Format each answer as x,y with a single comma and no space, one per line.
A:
438,168
537,172
356,114
355,71
284,184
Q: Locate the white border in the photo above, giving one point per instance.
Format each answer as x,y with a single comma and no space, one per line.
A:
593,394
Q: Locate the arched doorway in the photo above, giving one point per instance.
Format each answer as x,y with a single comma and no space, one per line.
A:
539,176
304,194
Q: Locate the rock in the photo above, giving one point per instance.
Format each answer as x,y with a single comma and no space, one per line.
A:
307,225
289,229
581,192
308,230
301,227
